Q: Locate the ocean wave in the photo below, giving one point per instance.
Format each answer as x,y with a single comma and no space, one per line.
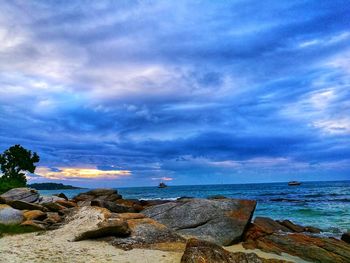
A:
271,194
322,195
339,200
160,198
315,195
287,200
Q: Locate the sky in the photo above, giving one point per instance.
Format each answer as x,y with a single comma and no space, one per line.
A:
130,93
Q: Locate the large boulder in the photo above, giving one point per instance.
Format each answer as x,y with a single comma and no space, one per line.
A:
24,194
310,248
21,205
147,233
199,251
91,222
10,216
220,221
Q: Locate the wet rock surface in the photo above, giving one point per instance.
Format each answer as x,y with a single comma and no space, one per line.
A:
303,245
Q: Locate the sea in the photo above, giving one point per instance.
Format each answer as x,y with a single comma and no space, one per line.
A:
325,205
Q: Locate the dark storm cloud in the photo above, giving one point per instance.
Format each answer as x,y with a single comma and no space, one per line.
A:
177,89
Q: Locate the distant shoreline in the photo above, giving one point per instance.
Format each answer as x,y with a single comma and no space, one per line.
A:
52,186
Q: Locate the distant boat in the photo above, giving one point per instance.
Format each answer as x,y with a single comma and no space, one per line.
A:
162,185
294,183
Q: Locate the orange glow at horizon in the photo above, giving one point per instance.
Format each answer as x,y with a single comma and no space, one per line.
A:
80,173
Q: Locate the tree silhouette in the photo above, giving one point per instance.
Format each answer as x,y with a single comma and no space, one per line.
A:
14,161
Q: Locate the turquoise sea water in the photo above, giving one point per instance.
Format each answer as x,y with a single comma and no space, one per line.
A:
322,204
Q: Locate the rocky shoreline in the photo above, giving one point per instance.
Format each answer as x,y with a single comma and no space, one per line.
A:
199,229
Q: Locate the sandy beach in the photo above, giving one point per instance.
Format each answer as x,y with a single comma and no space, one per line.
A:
51,247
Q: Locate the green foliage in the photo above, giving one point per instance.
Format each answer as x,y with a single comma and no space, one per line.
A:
8,184
15,229
13,162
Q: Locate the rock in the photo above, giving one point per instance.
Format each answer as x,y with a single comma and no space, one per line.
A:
112,197
219,221
97,202
49,199
199,251
101,192
99,195
310,248
253,232
133,204
109,227
2,200
182,198
290,225
62,195
34,224
54,207
82,219
9,215
83,197
148,203
147,233
217,197
128,216
84,203
118,206
21,205
346,237
34,215
24,194
269,225
53,218
92,222
65,203
312,229
113,207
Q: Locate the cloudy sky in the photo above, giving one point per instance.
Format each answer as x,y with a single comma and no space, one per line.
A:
124,93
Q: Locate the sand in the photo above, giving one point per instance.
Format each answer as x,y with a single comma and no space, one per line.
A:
46,247
43,248
284,256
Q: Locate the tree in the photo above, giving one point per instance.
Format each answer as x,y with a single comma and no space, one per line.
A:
14,161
